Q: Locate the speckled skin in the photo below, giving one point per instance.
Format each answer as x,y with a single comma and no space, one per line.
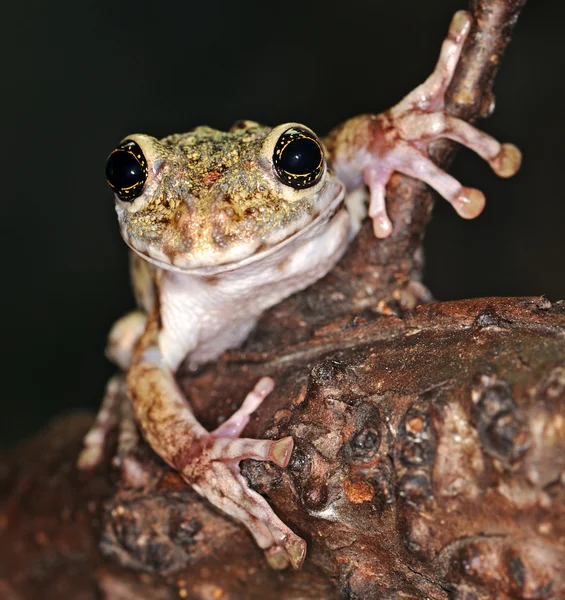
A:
219,238
213,198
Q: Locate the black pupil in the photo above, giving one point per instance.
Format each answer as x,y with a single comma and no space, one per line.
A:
301,156
123,170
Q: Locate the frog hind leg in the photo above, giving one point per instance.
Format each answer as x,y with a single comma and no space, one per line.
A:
106,420
115,410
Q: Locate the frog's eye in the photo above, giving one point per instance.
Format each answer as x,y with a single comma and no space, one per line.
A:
126,171
298,158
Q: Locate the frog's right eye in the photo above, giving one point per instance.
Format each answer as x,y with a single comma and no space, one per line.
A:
126,171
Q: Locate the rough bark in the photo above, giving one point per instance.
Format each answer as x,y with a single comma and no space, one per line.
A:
430,441
429,463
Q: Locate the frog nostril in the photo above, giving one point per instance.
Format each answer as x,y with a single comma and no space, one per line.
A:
298,158
126,171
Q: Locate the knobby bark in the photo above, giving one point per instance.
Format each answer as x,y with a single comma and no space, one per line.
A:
430,441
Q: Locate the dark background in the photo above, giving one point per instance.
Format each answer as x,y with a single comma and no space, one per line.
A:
78,76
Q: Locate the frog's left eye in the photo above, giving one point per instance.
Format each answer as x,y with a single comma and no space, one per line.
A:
126,171
298,158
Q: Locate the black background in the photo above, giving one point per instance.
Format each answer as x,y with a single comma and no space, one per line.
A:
78,76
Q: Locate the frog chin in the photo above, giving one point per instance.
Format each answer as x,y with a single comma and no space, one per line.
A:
241,254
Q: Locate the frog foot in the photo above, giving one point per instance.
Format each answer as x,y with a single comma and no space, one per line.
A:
211,468
398,140
419,119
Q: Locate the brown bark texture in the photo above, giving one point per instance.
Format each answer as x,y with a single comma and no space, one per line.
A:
430,440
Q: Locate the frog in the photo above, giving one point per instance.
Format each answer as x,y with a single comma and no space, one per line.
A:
223,225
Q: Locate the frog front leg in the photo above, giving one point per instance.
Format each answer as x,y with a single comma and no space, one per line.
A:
209,461
370,148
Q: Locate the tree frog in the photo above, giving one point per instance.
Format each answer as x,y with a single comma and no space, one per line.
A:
222,226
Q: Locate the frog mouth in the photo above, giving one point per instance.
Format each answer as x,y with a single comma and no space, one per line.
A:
246,255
